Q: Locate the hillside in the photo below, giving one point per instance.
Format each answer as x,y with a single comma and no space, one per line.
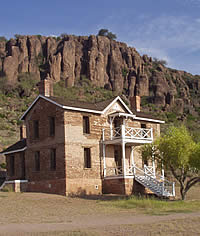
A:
91,68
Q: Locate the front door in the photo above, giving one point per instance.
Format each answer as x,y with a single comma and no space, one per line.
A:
23,171
118,156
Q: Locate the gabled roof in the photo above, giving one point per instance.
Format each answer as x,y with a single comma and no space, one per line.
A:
98,108
17,147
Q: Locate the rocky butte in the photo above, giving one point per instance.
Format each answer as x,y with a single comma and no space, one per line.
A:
106,63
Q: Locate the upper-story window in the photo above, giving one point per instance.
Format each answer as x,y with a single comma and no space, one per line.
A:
36,128
51,126
86,125
143,126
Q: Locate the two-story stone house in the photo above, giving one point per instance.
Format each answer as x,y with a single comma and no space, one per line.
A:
74,148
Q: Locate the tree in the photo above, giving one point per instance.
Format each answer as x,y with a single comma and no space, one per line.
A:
181,155
159,61
106,33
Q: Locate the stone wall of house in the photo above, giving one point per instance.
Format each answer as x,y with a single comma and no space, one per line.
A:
81,180
123,186
45,180
18,166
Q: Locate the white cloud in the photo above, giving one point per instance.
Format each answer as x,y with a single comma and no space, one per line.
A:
171,38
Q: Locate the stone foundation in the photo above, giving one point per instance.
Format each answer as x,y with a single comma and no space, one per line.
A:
123,186
17,186
48,186
83,187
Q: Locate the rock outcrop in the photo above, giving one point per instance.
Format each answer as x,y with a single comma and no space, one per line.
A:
107,63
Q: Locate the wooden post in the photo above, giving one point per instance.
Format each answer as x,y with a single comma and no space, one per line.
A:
132,160
124,158
153,162
123,131
111,129
173,189
104,160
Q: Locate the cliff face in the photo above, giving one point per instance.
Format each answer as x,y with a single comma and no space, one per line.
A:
107,63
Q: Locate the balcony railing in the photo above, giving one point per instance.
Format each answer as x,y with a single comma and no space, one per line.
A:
124,132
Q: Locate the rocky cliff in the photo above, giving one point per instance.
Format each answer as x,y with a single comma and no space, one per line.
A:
106,63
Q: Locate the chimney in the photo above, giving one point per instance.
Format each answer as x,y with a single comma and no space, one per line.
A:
22,131
46,87
135,103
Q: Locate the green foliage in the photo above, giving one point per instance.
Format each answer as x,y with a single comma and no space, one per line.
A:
171,116
106,33
3,165
154,206
27,83
3,39
147,151
180,154
63,35
124,72
157,61
83,90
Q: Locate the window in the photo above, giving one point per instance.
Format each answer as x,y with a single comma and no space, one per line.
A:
86,125
36,128
87,158
12,165
143,126
53,159
37,161
51,126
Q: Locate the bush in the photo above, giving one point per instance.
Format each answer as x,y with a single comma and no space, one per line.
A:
106,33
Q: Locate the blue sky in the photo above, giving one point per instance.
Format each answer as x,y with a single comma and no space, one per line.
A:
166,29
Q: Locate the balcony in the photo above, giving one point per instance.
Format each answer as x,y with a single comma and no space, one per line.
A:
129,134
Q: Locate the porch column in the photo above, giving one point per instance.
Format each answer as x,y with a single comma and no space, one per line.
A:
104,160
111,129
132,159
123,158
153,162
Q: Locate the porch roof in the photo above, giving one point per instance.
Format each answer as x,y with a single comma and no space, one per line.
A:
137,116
17,147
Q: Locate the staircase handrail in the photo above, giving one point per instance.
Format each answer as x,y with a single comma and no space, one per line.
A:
165,183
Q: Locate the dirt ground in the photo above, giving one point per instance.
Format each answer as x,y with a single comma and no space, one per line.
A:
36,214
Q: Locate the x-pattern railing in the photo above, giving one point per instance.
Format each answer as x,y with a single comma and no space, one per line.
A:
117,132
149,170
114,171
138,133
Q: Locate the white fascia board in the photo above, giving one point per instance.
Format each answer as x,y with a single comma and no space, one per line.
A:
14,151
21,118
122,114
57,104
81,109
150,120
117,98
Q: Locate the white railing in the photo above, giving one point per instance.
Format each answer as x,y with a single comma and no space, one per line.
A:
165,186
114,171
150,170
146,177
138,133
131,133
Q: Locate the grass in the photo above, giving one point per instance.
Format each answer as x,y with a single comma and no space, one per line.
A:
155,206
39,209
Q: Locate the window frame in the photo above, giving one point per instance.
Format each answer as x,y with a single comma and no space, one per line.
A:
37,161
52,126
36,129
87,158
53,159
86,125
